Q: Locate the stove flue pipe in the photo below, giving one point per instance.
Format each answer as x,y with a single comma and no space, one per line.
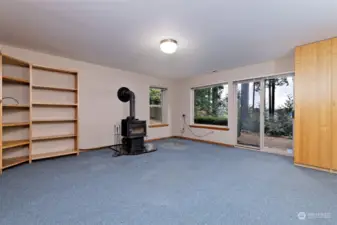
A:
132,104
125,95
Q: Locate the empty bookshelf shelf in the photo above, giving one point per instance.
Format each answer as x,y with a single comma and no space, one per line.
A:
60,71
53,154
14,80
55,121
20,124
54,137
53,88
54,104
15,143
16,106
14,161
9,60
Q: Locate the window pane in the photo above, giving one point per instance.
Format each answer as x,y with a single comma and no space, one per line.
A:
211,105
156,114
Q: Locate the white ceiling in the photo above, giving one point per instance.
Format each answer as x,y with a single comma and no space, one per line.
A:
125,34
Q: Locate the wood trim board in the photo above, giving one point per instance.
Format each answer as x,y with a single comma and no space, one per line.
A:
315,168
158,125
107,146
157,139
94,148
209,127
204,141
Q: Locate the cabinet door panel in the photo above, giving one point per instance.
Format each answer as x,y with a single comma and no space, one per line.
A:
313,104
334,104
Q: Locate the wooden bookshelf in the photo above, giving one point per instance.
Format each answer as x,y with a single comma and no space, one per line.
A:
55,89
41,93
15,83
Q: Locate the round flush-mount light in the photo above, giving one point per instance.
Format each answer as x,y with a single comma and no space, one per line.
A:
168,46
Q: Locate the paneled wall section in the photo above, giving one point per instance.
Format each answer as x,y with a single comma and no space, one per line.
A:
315,104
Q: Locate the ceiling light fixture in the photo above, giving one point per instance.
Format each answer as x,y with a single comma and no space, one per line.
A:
168,46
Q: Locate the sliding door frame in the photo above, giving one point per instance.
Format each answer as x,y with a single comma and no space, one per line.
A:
285,75
262,106
262,113
235,89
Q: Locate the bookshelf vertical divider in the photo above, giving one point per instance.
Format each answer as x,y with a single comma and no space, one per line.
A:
30,112
1,113
76,116
39,105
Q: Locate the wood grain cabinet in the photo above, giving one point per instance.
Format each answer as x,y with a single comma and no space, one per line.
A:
334,104
315,104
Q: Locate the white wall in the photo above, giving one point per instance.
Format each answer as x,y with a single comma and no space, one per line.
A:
183,100
99,108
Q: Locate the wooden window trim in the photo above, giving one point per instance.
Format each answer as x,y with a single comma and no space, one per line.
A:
209,127
158,125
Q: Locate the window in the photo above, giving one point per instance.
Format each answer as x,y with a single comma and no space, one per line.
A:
157,112
211,105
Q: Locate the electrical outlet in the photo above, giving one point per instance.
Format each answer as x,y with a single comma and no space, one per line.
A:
184,115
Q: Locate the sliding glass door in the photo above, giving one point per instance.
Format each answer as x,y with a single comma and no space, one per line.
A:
264,111
248,102
278,110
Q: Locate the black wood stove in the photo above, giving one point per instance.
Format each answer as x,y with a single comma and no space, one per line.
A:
133,130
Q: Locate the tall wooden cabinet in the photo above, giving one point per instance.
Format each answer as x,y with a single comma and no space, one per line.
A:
315,105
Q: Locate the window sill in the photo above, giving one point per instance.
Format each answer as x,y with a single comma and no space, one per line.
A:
158,125
210,127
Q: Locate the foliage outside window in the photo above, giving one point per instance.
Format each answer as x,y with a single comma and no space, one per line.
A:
277,112
278,119
156,105
211,105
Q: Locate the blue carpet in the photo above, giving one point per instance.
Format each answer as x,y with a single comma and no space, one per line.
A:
203,184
